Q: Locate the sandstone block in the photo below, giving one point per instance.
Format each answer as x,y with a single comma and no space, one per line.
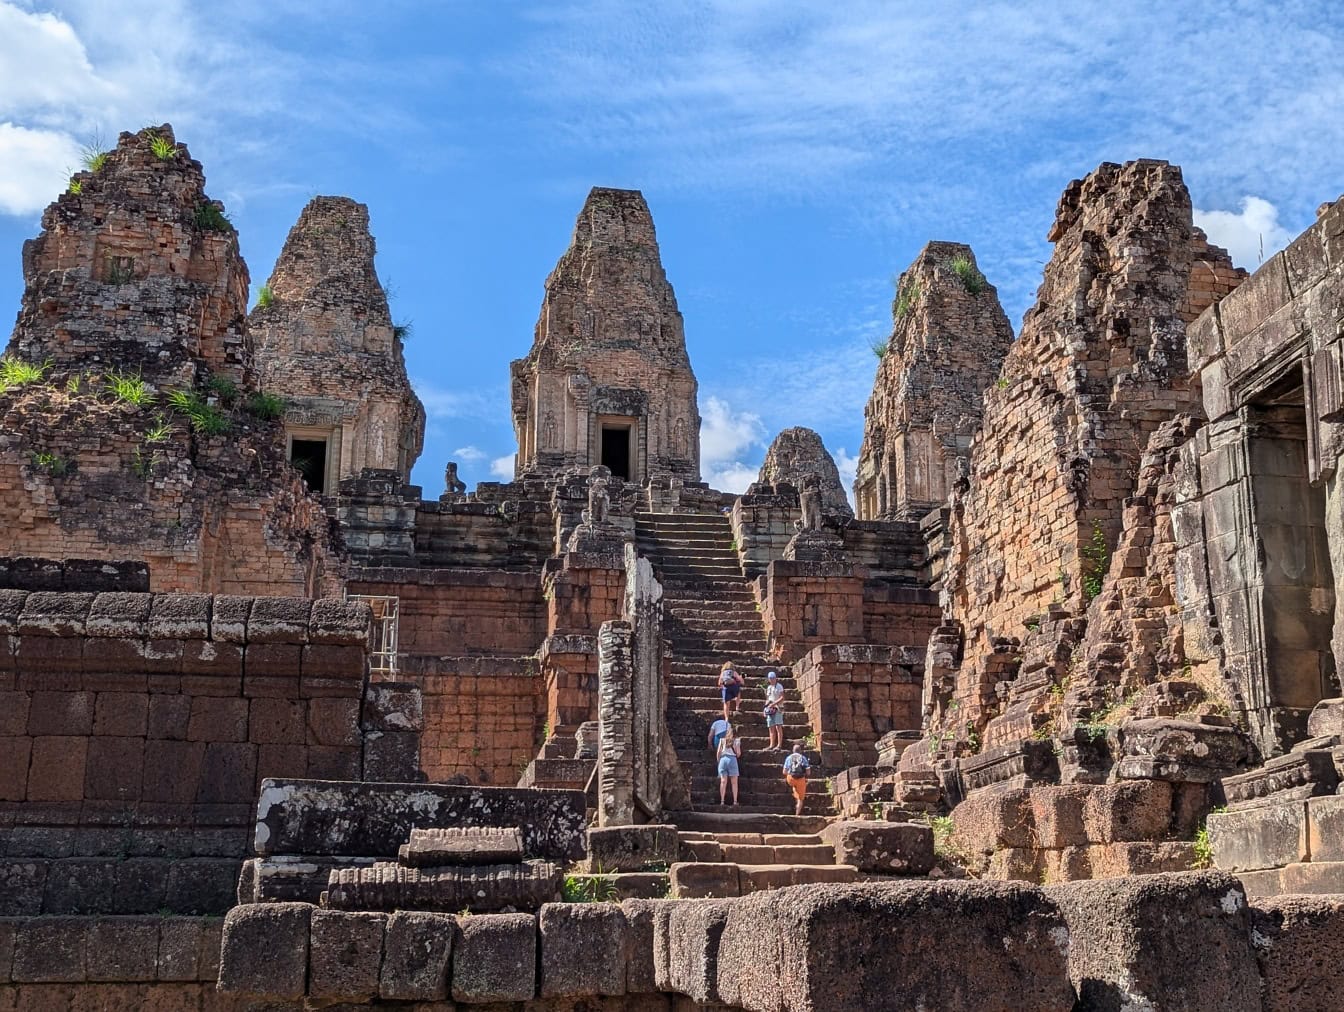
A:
123,949
50,949
701,880
22,883
988,821
1297,941
417,948
892,848
631,848
345,952
1131,940
463,845
583,949
1325,828
393,706
1138,810
179,954
391,756
265,950
686,936
1268,836
640,969
179,617
279,620
827,947
495,958
1312,878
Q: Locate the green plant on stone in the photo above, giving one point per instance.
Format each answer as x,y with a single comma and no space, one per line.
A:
76,187
127,389
265,405
879,348
93,157
142,465
160,432
906,298
205,419
265,296
1001,383
596,888
1203,849
971,278
209,218
401,331
16,373
54,464
161,147
223,388
1097,556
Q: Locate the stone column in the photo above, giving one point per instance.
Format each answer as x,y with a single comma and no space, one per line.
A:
644,609
1334,532
615,763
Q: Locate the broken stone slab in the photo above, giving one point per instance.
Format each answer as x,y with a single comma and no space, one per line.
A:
1325,828
461,845
1326,719
641,975
1175,940
1311,878
372,819
878,946
417,948
1009,767
582,949
631,848
478,888
888,848
392,757
393,706
686,936
1266,836
265,950
290,878
1186,751
344,955
495,958
1296,938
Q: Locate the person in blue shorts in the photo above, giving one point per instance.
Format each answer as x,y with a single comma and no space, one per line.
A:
730,687
730,750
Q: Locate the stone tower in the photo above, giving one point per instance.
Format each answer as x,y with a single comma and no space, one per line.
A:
608,380
797,452
325,341
948,341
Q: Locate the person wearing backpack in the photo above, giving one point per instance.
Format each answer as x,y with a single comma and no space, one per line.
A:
774,712
795,772
730,687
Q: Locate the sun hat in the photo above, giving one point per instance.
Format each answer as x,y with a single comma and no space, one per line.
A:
772,675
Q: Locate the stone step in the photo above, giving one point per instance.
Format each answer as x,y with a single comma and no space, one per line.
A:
758,853
769,839
746,822
698,880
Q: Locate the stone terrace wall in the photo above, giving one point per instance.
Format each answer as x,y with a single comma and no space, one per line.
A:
854,694
135,730
1099,366
483,717
948,339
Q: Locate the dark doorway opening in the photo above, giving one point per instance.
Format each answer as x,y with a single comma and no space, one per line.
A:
616,450
309,457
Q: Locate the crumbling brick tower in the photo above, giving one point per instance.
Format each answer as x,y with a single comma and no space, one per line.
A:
130,436
608,380
948,339
797,453
325,340
1100,365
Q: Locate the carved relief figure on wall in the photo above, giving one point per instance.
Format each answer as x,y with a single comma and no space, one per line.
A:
548,441
679,438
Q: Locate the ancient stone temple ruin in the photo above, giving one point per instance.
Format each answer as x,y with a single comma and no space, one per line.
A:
278,732
608,381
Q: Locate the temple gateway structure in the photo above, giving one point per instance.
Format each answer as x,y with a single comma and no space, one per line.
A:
1067,675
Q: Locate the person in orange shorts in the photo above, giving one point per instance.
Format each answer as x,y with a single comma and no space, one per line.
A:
795,772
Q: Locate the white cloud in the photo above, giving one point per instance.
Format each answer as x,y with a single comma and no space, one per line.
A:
731,477
725,433
847,465
469,454
36,163
441,403
1250,235
502,467
45,66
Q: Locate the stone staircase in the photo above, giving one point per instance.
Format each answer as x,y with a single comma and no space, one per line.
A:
710,617
734,862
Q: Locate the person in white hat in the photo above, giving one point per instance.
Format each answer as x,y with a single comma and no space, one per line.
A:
774,711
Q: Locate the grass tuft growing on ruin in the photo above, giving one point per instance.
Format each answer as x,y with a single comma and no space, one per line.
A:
205,419
160,432
905,299
76,187
16,373
209,218
94,159
223,388
598,888
54,464
265,296
879,348
265,405
1098,557
129,389
161,147
971,278
1203,849
403,330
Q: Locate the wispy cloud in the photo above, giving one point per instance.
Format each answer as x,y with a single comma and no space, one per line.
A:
469,454
728,438
442,403
502,467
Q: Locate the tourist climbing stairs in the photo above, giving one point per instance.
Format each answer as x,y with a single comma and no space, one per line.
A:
711,616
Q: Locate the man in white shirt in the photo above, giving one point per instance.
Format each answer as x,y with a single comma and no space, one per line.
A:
774,711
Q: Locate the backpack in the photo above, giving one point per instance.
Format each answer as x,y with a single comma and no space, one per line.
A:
796,765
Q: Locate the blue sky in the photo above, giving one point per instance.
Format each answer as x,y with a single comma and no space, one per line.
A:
796,156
